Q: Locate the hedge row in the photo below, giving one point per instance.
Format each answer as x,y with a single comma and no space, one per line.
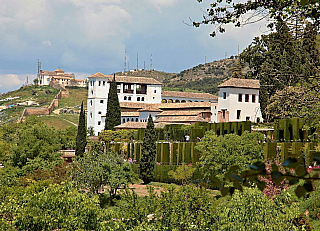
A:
177,132
287,150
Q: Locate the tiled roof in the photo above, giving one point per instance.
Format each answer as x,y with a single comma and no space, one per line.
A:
130,113
189,95
48,73
61,77
179,113
136,125
59,70
127,79
180,119
241,83
133,105
183,105
150,108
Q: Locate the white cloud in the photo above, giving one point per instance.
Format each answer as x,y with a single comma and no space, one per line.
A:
47,42
9,82
158,4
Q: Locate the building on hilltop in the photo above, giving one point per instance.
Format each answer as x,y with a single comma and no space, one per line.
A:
238,101
140,97
45,77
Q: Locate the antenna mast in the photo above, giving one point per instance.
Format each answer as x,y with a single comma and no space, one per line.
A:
39,66
137,62
125,61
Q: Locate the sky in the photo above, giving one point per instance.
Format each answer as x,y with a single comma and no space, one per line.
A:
88,36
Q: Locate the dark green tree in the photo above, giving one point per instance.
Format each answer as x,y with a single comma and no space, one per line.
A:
148,152
113,117
81,140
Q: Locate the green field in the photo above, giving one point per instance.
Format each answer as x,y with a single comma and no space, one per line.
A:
55,121
76,96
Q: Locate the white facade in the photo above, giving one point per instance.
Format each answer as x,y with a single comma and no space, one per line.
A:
237,104
98,89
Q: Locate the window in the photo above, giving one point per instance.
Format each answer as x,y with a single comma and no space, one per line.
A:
224,95
99,113
125,98
104,83
91,83
142,98
90,103
153,97
240,98
253,98
99,83
258,120
136,119
99,122
215,107
238,114
155,91
132,119
246,98
101,101
223,113
90,115
123,120
129,98
138,98
128,119
92,92
247,118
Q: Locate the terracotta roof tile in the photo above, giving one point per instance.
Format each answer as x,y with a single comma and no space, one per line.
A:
136,125
189,95
179,113
127,79
241,83
150,108
59,70
183,105
180,119
130,113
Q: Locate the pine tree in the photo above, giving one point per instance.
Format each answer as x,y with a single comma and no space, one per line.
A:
81,139
148,152
113,117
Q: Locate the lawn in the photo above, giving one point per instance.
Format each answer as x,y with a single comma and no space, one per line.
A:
74,118
76,96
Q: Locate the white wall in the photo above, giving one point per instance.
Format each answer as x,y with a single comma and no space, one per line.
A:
231,103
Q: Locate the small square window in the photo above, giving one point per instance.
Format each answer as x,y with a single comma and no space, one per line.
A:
155,91
101,101
240,98
247,118
99,122
224,95
99,83
104,83
99,113
153,97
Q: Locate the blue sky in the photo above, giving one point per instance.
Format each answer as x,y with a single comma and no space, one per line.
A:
89,36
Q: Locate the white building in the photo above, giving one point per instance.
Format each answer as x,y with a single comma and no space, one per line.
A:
140,96
130,89
238,101
45,77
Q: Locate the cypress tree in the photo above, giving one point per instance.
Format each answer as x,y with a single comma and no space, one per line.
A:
113,117
81,140
148,152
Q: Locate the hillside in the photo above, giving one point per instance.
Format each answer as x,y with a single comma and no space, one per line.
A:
204,77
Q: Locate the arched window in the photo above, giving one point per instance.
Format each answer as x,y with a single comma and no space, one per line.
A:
189,101
90,103
125,98
132,120
142,98
123,120
164,101
196,101
129,98
128,120
177,101
136,119
183,101
170,101
138,98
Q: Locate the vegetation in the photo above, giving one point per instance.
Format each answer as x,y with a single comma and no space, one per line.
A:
149,149
113,117
81,140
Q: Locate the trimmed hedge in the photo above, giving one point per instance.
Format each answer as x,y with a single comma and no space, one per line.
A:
165,153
